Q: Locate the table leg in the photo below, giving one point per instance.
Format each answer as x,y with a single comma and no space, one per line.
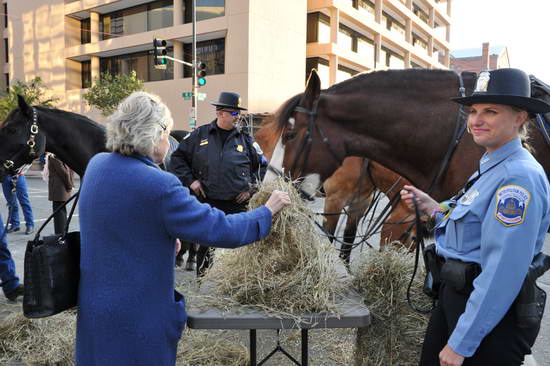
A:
253,347
304,347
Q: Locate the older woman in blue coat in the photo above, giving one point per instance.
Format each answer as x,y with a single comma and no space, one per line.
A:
131,213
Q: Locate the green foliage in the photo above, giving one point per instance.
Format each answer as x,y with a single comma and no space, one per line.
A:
33,91
108,91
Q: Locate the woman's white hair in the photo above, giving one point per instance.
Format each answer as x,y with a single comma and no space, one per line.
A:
137,125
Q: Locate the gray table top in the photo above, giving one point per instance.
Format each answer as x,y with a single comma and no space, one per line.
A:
350,314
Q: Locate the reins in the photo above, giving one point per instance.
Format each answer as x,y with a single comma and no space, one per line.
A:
31,143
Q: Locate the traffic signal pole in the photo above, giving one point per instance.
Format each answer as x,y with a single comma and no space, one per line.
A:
194,114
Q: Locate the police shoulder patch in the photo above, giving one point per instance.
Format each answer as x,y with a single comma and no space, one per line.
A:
511,204
257,147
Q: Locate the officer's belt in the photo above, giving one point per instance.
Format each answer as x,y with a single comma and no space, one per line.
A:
458,274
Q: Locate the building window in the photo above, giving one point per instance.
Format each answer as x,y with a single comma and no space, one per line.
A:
322,67
86,74
366,7
6,50
345,38
206,9
160,14
365,48
137,19
394,26
421,14
85,29
5,15
318,28
7,76
140,62
211,52
344,73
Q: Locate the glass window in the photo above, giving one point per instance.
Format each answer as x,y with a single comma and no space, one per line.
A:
365,48
211,52
318,28
6,50
7,81
366,8
206,9
322,67
160,14
396,62
345,38
324,30
86,74
85,29
5,15
135,20
111,25
141,63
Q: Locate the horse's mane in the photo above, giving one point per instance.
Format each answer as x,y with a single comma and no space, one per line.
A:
389,76
58,113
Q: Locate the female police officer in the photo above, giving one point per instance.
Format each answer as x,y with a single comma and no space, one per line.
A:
489,234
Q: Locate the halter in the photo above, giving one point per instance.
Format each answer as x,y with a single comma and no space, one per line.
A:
308,140
8,164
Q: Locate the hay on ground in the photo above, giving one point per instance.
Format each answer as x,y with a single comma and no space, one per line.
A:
211,348
396,332
292,271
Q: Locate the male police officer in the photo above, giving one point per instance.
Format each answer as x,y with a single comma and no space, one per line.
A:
220,164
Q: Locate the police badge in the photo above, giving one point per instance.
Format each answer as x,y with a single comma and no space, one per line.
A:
482,81
512,203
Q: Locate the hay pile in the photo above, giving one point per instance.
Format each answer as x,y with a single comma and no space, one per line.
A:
291,271
396,332
48,341
211,348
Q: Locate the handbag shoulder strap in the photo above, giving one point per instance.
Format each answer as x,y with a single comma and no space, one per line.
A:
73,197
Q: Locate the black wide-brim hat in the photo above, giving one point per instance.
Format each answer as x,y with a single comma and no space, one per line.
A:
229,100
505,86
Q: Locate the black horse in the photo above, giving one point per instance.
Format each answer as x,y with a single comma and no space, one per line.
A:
28,132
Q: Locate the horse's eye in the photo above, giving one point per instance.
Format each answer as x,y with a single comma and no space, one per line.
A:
289,136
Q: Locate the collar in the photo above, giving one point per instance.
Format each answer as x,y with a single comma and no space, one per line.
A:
147,160
490,159
213,126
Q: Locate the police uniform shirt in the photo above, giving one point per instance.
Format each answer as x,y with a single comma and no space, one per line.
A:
500,223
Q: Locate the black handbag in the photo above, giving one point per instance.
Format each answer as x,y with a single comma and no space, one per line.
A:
52,270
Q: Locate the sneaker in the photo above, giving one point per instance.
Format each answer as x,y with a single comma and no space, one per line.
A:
29,230
13,295
13,229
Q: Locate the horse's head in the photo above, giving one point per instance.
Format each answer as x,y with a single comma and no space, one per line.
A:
308,149
20,140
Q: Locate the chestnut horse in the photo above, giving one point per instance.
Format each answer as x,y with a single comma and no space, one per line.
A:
352,185
403,119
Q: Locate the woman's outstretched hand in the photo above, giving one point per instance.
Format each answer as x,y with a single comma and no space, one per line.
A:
277,201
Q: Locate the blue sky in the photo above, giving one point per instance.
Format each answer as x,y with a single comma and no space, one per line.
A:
521,25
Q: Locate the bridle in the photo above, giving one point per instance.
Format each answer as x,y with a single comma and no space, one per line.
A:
31,143
305,148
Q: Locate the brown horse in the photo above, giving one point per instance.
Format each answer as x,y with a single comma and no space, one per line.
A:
352,185
404,119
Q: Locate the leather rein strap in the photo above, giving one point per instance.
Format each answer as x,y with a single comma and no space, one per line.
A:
31,143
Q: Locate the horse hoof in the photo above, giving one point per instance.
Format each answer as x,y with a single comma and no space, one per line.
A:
190,266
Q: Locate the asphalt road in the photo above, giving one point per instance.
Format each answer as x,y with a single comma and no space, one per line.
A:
38,192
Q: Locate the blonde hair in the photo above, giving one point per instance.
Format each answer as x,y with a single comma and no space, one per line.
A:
137,125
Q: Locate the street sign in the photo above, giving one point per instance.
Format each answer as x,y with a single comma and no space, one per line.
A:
201,96
187,95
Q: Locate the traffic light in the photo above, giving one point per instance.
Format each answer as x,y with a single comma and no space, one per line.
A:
201,73
159,53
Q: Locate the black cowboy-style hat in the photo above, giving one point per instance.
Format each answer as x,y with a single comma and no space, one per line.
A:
505,86
229,100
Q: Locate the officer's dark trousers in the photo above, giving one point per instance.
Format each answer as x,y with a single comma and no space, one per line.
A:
204,254
505,345
60,218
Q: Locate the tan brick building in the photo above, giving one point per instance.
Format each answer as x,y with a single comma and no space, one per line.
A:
262,49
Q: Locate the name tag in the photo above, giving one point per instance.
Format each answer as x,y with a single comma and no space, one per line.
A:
469,197
240,148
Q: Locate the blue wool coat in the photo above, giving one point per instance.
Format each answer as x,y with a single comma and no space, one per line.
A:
131,213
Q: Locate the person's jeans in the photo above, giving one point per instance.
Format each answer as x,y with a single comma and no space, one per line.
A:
8,278
22,197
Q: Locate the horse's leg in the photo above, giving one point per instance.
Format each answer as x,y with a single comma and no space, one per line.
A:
181,253
397,228
191,258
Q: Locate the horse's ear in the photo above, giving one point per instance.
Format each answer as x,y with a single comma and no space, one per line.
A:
313,90
23,105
